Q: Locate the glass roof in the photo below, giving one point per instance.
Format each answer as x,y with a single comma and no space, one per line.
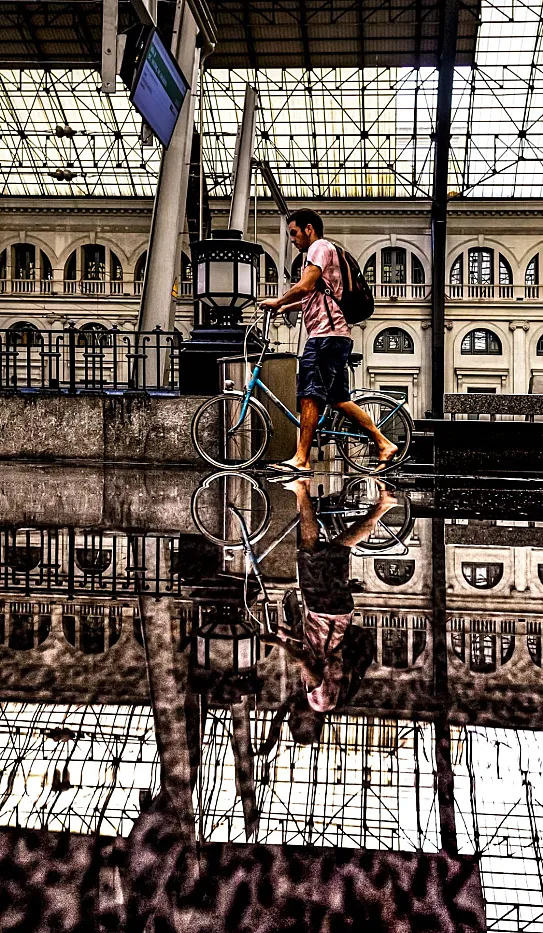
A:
326,132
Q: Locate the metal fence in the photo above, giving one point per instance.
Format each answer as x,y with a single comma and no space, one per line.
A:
73,360
37,562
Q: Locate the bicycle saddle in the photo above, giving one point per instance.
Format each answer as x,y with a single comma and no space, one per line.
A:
355,359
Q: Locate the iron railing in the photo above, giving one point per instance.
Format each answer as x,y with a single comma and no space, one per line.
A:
43,562
72,360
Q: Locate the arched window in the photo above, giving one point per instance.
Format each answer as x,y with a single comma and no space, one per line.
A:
296,268
457,271
393,265
506,273
268,286
539,349
3,271
533,639
31,269
482,658
483,576
92,629
394,572
481,342
28,628
531,278
93,335
481,266
393,340
101,271
370,270
23,334
139,273
417,270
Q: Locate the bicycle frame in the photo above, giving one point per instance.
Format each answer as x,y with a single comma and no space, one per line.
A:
255,382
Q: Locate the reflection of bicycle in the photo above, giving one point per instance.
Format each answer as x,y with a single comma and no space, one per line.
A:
233,429
221,499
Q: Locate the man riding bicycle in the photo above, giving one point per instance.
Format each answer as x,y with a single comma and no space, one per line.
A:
322,376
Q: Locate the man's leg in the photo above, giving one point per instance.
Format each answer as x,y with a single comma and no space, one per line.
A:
310,411
385,448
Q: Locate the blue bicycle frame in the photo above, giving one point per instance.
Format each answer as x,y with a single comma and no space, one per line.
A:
256,382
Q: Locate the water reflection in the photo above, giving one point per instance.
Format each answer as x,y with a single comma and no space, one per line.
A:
333,664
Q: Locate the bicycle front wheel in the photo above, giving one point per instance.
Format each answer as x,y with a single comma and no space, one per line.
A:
358,449
221,439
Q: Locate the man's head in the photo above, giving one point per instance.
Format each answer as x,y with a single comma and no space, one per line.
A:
305,227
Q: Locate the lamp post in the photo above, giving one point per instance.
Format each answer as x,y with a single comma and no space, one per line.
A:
226,277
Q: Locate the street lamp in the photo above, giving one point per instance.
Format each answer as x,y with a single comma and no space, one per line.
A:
226,274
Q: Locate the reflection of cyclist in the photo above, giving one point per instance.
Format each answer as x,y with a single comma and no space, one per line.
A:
332,652
322,377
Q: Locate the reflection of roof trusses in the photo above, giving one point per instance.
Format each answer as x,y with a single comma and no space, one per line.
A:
335,33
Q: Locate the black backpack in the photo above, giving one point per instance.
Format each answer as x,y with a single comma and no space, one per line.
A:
356,302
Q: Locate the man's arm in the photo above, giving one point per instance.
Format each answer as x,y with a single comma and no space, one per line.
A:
296,292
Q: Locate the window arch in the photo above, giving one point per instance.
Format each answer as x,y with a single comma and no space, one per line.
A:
393,340
481,341
23,334
394,572
485,268
28,628
481,266
482,576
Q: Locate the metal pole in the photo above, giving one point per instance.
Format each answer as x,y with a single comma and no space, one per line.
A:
241,188
449,34
157,308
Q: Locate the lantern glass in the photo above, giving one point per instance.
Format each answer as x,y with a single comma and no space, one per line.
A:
244,279
201,278
221,281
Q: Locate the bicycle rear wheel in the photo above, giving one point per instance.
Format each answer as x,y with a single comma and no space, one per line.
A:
214,436
392,528
358,449
211,512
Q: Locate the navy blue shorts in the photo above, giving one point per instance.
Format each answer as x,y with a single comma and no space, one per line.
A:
322,373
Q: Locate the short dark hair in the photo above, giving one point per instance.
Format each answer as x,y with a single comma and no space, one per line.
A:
303,217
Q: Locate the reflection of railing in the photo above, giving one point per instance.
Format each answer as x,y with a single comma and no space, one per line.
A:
47,562
70,360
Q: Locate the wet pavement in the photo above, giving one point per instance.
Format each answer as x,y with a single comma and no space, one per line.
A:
230,704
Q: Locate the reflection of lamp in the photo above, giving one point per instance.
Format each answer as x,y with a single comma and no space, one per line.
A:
226,273
226,642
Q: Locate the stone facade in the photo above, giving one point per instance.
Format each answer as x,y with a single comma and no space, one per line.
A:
492,268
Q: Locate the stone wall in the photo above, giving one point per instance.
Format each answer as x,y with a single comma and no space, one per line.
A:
132,428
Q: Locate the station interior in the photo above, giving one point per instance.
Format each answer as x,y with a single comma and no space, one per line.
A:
234,698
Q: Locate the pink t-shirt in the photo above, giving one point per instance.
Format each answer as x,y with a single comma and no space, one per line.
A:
323,254
325,633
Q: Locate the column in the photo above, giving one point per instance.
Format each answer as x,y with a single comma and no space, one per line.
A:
520,380
157,307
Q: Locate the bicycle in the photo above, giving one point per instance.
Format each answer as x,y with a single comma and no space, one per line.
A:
232,430
222,499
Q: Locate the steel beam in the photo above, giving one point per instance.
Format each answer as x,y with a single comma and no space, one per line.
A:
110,18
168,220
447,58
243,166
